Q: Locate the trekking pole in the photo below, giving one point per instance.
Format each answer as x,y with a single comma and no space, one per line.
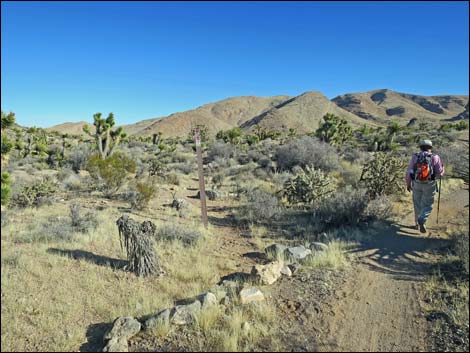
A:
439,200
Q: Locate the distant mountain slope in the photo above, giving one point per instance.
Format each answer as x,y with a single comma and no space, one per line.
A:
303,113
221,115
385,105
71,128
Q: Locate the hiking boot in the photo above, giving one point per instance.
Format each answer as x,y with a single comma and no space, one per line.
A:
422,227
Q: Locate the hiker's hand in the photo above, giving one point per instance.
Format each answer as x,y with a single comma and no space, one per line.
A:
408,188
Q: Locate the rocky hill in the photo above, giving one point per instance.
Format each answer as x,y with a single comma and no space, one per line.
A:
303,112
385,105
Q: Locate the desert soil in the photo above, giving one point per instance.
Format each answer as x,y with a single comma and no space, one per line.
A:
373,305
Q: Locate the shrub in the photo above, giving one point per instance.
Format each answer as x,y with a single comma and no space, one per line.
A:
5,188
261,206
383,175
82,222
142,195
379,209
461,241
157,167
308,186
346,208
307,151
170,231
186,167
79,156
35,194
172,178
112,172
220,150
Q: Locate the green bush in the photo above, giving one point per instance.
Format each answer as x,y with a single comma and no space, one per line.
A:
308,186
383,175
6,189
142,195
111,172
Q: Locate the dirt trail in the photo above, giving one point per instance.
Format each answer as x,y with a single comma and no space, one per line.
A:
379,307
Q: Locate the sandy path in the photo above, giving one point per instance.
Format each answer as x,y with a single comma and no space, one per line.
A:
379,308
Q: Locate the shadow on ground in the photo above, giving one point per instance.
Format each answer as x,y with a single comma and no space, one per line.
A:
90,257
94,336
400,251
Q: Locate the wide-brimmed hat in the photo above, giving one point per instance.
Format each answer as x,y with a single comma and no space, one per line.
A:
426,143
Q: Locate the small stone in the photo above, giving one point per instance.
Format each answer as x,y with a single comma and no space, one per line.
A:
161,318
275,250
297,253
249,295
294,267
286,271
185,314
319,247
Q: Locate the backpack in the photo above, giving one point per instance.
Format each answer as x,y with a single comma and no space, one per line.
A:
423,169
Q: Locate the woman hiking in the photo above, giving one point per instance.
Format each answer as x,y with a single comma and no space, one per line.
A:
423,170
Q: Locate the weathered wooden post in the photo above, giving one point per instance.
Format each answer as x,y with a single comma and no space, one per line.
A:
202,188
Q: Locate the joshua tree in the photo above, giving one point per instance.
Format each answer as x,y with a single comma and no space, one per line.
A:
106,138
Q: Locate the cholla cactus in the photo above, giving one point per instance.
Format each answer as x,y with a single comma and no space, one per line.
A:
383,175
308,186
106,138
138,241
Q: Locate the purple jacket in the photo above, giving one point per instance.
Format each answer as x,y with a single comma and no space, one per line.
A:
436,164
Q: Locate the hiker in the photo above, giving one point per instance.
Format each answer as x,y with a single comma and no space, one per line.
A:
423,170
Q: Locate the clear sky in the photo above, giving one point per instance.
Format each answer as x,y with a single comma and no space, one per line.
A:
66,61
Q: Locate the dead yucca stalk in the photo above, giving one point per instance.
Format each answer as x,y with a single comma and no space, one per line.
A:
138,240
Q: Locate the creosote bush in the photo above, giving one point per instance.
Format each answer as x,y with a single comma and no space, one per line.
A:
111,172
144,191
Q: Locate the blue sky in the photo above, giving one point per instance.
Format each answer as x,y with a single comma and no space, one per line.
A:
66,61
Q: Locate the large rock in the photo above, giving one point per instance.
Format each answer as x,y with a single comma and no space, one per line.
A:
160,319
297,253
267,274
219,291
249,295
275,250
318,247
186,314
116,345
208,299
123,329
